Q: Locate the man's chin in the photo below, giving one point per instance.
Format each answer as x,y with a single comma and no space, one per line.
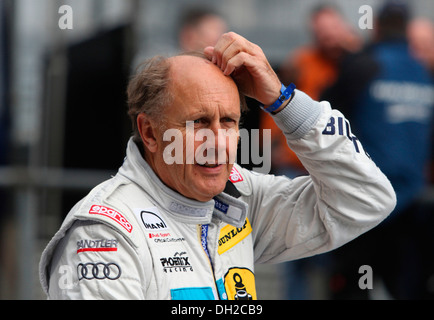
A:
207,192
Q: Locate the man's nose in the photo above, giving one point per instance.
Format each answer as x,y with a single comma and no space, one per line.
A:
215,137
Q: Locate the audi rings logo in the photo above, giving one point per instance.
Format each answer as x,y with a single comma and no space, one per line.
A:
99,271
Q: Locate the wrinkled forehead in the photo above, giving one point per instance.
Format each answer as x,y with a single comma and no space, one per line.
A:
191,72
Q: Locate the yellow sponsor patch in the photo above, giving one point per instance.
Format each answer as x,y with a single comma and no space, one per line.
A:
240,284
230,236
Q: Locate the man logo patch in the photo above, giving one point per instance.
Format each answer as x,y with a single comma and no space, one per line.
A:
152,221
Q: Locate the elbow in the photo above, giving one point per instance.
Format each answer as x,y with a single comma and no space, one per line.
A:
373,204
385,201
392,201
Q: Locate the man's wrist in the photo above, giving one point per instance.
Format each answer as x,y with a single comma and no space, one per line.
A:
282,101
299,118
284,104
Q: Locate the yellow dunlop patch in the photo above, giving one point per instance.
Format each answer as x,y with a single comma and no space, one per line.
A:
240,284
230,236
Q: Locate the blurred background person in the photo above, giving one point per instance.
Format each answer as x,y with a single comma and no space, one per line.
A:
420,33
312,67
388,97
200,27
195,28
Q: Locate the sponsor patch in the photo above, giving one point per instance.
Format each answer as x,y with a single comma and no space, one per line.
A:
112,214
240,284
164,237
151,220
159,235
87,245
221,206
179,262
230,236
235,176
98,271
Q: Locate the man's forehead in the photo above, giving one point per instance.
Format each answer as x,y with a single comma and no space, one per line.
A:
185,62
195,81
193,68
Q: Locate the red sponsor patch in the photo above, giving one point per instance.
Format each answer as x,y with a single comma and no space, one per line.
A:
112,214
235,176
159,235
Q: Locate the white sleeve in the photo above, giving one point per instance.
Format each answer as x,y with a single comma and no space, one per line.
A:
95,262
344,196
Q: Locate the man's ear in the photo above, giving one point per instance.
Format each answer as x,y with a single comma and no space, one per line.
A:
147,132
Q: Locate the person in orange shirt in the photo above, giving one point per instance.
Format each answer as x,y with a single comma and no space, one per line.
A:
312,68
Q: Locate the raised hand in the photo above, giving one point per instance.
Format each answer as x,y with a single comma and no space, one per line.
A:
248,66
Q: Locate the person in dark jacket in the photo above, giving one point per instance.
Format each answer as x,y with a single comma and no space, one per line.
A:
388,97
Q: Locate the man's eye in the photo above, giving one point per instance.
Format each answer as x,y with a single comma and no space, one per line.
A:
227,119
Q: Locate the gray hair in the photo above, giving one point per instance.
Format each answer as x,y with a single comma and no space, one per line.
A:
148,92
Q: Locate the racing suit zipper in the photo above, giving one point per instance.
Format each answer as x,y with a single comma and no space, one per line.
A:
203,237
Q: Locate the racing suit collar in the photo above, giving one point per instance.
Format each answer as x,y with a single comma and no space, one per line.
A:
224,206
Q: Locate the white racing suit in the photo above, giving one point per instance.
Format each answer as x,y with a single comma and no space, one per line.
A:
134,238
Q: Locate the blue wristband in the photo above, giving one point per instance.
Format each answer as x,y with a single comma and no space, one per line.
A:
285,94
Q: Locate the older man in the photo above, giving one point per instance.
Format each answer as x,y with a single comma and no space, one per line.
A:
194,229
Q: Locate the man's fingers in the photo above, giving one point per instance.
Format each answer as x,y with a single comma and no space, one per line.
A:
232,51
230,58
209,53
247,64
224,43
237,61
229,45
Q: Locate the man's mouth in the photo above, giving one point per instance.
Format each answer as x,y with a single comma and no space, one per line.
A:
209,165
